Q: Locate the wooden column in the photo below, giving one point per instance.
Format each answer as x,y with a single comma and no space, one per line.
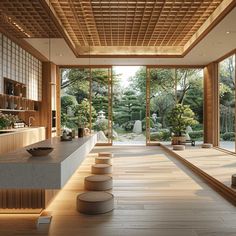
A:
58,101
211,104
49,77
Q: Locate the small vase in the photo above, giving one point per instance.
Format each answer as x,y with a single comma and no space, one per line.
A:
80,132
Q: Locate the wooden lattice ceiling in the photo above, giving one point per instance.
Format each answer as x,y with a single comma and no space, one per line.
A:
27,18
114,27
133,23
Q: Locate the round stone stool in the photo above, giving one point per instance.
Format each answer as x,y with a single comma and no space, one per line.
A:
234,180
101,169
103,160
178,147
105,154
207,145
95,202
98,182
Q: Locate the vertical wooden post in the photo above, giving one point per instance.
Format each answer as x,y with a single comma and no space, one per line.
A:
147,106
110,105
58,101
49,77
90,99
211,104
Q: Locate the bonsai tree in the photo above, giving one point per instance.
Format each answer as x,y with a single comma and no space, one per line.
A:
179,118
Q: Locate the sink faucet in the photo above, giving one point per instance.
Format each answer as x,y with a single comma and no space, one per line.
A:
31,117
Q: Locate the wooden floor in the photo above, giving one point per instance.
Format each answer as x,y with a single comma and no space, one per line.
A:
154,195
214,163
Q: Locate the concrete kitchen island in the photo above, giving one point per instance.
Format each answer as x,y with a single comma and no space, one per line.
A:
28,182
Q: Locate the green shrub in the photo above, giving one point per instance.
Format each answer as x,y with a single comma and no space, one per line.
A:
228,136
196,135
197,127
166,135
128,126
162,135
101,125
152,125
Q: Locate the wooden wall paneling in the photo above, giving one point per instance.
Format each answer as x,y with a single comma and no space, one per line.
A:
12,141
25,200
211,104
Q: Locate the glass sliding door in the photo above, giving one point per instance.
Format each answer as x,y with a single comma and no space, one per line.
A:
226,74
161,99
86,101
167,87
75,105
101,119
189,91
129,105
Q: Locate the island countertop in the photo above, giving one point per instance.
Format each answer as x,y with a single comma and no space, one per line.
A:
18,169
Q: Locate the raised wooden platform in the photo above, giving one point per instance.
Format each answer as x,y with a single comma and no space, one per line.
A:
214,165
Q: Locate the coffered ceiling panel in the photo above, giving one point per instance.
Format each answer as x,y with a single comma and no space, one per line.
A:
116,27
27,18
133,23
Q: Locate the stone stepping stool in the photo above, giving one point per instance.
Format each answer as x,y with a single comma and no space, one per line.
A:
178,147
101,169
98,182
234,180
103,160
105,154
92,203
207,145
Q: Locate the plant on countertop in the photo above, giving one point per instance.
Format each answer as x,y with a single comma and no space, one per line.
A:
179,118
7,120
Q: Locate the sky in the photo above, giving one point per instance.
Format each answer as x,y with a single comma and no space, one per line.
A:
125,72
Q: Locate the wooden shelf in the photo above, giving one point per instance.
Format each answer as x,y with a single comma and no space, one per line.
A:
9,102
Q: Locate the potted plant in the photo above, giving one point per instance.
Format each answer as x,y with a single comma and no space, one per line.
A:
82,122
179,118
7,120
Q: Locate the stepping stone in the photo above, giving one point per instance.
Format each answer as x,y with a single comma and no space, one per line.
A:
95,202
98,182
103,160
234,180
101,169
207,145
178,147
105,154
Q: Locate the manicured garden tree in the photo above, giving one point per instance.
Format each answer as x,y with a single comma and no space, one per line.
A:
68,103
180,117
124,109
82,113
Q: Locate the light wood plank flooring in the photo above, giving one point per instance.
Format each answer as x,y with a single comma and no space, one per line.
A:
154,195
215,162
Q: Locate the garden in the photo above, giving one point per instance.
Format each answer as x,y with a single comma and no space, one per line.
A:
85,97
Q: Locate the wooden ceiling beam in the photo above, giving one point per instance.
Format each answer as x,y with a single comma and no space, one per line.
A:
60,27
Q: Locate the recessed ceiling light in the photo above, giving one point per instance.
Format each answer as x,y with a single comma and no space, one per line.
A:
227,32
